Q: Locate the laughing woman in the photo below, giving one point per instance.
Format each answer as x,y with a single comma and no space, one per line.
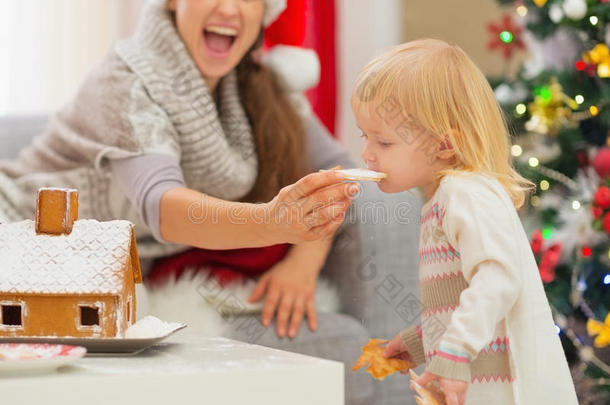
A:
181,121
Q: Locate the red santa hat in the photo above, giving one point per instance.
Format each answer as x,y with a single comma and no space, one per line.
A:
297,68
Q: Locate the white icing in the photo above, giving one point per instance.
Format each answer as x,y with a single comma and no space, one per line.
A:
362,174
150,327
90,260
67,190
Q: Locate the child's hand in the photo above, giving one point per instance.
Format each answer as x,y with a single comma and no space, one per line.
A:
396,348
455,390
291,289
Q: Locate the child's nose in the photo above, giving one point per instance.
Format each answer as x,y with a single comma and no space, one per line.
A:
366,154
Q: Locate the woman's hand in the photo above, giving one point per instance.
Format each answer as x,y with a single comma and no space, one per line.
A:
397,349
310,209
288,287
454,390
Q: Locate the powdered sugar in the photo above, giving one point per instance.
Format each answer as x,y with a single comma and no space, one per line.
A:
150,327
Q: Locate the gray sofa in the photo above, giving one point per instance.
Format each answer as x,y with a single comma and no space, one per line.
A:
375,272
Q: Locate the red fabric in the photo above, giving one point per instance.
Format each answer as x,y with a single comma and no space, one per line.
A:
289,28
311,24
226,265
321,36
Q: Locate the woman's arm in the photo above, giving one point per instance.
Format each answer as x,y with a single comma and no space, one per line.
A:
289,287
308,210
313,253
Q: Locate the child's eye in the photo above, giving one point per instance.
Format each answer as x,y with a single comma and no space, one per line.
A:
363,135
385,144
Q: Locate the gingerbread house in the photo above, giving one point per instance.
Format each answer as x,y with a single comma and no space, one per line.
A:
60,276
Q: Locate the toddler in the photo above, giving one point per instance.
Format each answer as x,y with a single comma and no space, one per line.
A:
429,119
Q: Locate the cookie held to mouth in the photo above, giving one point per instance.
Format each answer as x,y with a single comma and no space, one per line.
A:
362,174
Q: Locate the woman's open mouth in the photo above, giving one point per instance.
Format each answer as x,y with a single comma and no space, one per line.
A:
219,40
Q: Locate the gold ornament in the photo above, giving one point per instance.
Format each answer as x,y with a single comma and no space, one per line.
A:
550,110
603,70
600,330
600,56
540,3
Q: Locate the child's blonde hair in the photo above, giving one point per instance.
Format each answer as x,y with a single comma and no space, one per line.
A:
443,93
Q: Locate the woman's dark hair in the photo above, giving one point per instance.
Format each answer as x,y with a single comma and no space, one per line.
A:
278,130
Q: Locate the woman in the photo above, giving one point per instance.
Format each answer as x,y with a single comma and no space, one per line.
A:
182,132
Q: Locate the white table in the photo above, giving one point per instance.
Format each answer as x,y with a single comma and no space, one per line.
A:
190,370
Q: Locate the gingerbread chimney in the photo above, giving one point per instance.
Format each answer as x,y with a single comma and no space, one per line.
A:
56,210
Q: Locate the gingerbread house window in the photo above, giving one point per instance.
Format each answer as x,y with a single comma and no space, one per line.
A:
89,315
12,315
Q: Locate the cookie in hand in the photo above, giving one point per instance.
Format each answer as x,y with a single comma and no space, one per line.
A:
431,394
379,365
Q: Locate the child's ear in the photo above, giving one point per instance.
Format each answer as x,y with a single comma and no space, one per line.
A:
445,150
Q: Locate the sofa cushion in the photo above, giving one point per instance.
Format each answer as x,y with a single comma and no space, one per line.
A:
17,132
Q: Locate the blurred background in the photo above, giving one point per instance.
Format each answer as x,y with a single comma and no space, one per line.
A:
547,60
52,44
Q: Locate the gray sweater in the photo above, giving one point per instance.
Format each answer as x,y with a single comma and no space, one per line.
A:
142,122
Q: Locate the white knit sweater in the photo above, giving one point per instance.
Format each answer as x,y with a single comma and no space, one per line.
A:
485,316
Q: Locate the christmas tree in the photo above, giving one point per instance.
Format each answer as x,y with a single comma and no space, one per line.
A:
558,108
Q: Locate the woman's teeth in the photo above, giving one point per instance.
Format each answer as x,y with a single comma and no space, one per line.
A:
230,32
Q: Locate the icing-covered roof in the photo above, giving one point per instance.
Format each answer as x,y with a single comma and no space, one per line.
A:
90,260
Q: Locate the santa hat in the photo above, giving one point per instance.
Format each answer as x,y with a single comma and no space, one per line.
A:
273,8
297,68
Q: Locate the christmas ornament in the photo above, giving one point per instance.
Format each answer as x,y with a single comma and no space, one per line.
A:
575,9
536,243
506,35
550,109
596,211
556,13
599,57
583,158
540,3
602,197
589,68
577,228
601,162
548,263
600,330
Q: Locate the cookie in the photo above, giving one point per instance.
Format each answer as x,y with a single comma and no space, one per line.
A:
379,365
362,174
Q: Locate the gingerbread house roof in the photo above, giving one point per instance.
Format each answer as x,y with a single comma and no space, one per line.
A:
90,260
